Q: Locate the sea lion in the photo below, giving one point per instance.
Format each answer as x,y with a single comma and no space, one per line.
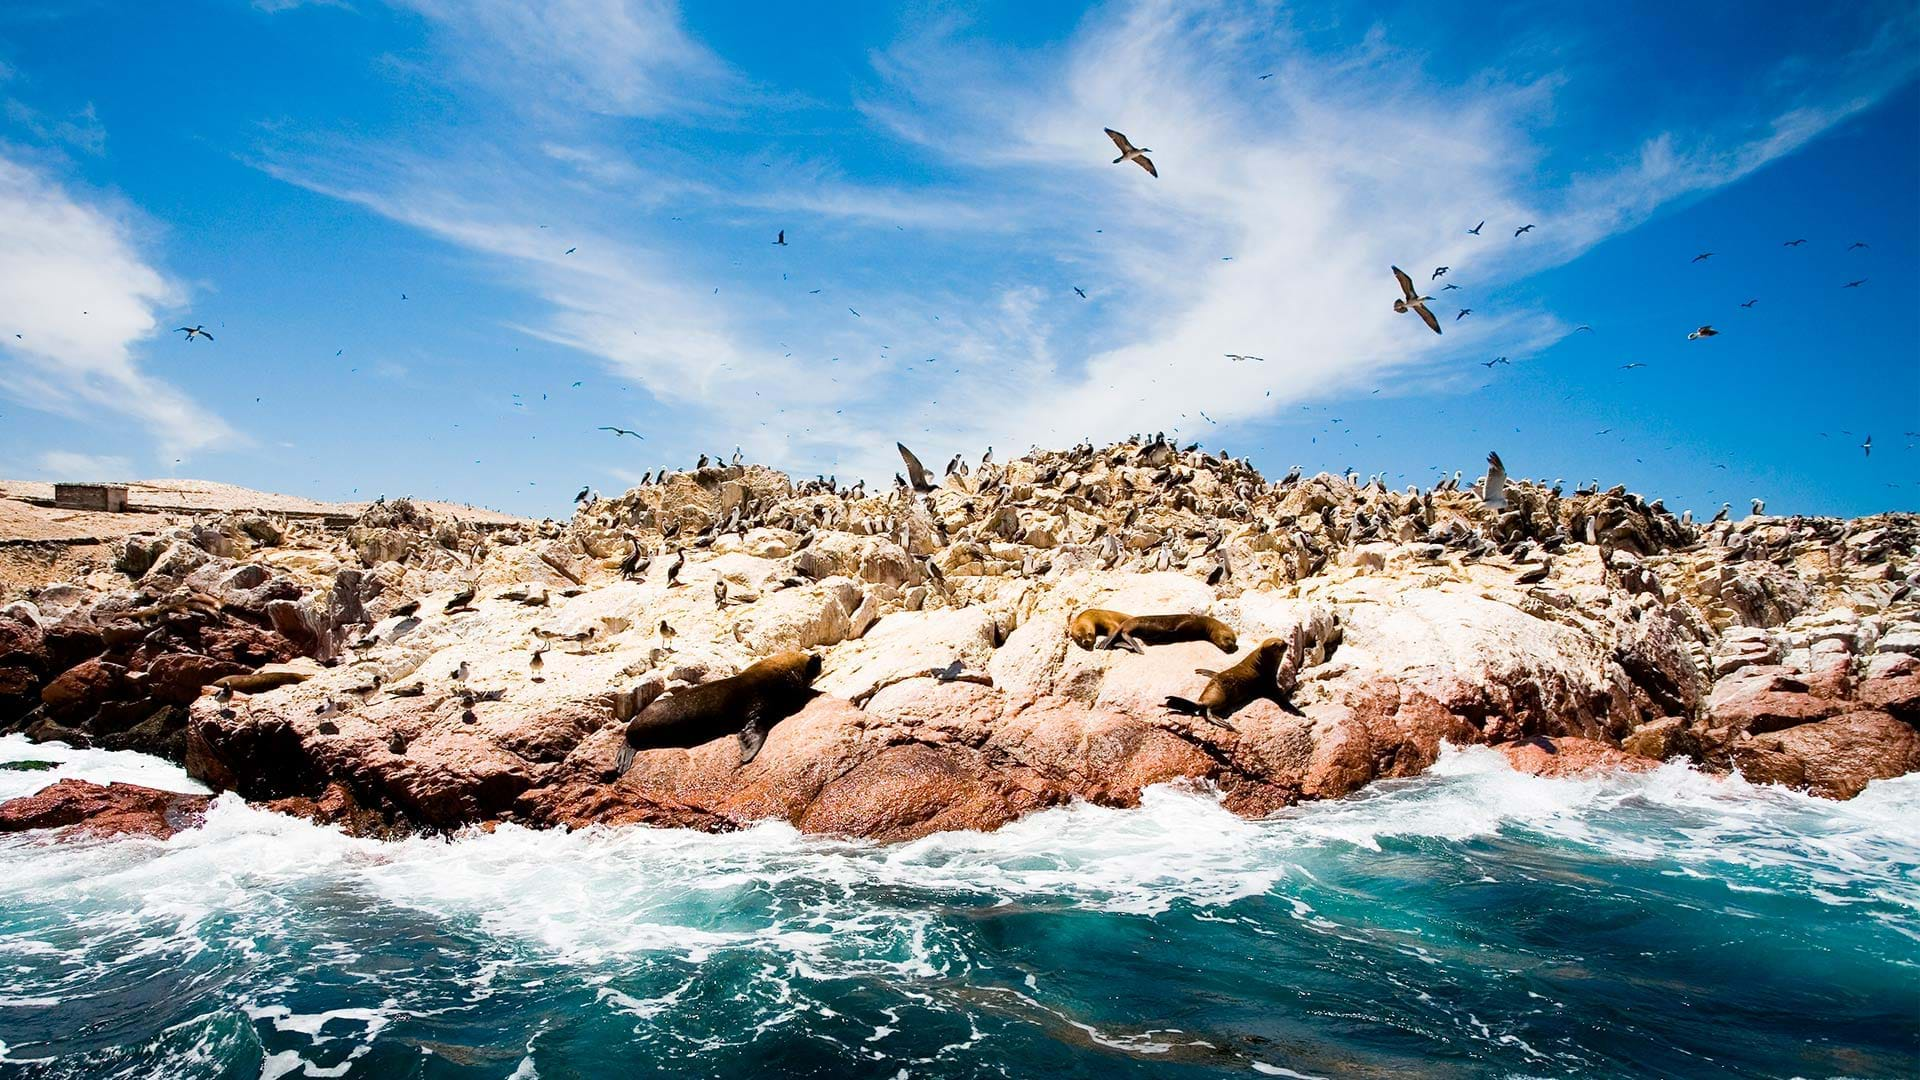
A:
1167,629
747,704
257,681
1092,627
1272,670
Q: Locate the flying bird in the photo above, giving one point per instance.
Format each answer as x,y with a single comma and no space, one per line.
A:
619,431
1439,272
1854,284
1630,367
1793,243
1703,332
1521,229
1463,313
781,240
1751,302
1414,301
571,250
1081,291
1448,285
1866,448
1237,357
1703,256
1129,152
1856,244
1475,231
191,332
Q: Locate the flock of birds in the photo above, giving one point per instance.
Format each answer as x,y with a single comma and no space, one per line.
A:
1413,298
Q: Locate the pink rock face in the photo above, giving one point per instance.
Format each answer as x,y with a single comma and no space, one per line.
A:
110,810
1570,756
1833,758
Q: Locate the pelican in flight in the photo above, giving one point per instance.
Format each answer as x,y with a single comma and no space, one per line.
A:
1414,301
195,331
1130,152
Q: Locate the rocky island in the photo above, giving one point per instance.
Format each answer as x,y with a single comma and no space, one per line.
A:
412,669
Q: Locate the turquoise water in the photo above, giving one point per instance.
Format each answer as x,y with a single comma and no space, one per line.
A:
1472,922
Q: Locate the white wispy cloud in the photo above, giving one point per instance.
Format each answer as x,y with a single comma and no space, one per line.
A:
1280,205
77,465
78,297
617,57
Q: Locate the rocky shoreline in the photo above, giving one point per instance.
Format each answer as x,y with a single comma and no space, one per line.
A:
1569,629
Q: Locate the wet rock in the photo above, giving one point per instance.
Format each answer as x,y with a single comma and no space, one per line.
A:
95,810
1833,758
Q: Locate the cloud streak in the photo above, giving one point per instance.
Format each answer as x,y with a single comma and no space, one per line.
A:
79,298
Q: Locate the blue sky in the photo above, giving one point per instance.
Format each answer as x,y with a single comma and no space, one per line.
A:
371,205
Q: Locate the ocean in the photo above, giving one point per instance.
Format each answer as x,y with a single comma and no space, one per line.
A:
1472,922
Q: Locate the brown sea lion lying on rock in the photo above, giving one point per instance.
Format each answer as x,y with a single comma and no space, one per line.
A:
1094,627
747,705
1166,629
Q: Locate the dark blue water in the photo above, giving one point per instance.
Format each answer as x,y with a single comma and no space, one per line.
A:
1472,922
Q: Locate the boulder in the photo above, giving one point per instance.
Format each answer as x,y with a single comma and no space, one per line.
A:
92,809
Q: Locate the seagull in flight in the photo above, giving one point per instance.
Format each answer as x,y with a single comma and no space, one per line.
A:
619,431
1854,284
1439,272
1630,367
1414,301
1464,312
1448,285
1793,243
1496,360
1867,447
1521,229
1475,231
1081,291
191,332
1583,326
1703,332
781,240
1703,256
1237,357
1856,244
571,250
1751,302
1129,152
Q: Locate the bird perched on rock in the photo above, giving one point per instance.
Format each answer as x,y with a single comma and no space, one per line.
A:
460,673
582,497
635,564
1495,494
1759,507
1413,301
720,593
916,472
674,568
1129,152
538,663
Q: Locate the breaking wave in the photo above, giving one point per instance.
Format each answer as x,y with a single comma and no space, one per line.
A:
1473,921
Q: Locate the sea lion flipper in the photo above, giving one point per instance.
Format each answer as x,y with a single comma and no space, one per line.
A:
1205,672
753,735
1221,721
625,759
1184,705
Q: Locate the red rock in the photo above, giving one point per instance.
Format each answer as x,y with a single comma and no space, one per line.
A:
1833,758
112,810
1569,756
1898,695
243,643
176,678
1766,698
83,688
22,644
